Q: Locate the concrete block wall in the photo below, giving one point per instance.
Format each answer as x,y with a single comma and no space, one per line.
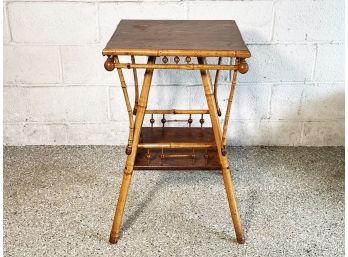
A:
56,90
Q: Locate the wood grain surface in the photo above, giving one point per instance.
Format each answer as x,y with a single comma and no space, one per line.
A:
177,37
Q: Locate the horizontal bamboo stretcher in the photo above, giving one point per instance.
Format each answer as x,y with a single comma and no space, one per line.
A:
177,66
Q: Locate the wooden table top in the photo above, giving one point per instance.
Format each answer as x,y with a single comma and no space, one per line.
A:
177,37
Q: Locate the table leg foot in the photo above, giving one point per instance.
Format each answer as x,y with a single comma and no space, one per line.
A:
113,239
240,240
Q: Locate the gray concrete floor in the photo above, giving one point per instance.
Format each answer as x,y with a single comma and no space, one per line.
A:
59,201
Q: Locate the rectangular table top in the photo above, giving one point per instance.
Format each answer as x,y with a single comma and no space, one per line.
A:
177,37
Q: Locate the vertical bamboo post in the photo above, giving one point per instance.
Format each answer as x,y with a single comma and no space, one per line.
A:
127,174
223,159
128,105
136,86
229,104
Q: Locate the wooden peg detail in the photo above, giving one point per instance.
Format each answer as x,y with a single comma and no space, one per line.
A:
190,120
109,64
163,120
201,120
176,59
243,67
165,59
152,120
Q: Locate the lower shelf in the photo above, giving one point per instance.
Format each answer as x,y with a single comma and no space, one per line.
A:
178,158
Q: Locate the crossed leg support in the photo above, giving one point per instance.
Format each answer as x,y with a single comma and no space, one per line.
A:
115,231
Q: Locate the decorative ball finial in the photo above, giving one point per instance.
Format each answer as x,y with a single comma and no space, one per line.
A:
243,67
109,64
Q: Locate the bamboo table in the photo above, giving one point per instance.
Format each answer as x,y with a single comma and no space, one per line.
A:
191,148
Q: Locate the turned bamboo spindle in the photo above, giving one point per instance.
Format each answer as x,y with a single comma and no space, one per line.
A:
136,86
229,104
152,120
201,120
129,107
217,73
190,120
163,120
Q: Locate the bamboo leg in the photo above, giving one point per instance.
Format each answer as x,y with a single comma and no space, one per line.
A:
223,159
127,175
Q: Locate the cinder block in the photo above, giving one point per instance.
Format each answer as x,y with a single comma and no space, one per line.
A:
31,64
324,133
250,16
286,100
44,134
118,110
274,63
264,132
323,102
249,101
15,104
53,22
59,104
330,63
283,133
169,97
6,28
85,65
247,133
13,134
309,20
111,13
113,133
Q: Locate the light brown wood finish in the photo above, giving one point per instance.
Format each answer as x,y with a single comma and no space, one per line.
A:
115,231
223,159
